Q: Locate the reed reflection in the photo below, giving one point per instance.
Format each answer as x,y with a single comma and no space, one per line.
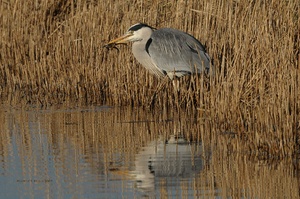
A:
104,152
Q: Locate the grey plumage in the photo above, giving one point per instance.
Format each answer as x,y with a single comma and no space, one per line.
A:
175,51
166,51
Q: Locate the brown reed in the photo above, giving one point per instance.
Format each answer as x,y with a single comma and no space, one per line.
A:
51,53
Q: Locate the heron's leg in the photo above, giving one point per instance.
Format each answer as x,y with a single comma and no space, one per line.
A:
175,82
158,89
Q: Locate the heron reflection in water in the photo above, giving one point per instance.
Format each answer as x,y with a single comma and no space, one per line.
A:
173,161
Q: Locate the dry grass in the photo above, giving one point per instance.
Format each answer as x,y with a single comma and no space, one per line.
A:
51,53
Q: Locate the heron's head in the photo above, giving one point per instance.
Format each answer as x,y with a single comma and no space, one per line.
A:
137,32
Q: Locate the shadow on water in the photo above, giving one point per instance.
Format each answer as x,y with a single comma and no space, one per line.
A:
104,152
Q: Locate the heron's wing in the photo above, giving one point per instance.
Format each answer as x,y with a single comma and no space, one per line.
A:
178,52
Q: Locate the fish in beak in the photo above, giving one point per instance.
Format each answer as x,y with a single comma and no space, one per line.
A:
120,40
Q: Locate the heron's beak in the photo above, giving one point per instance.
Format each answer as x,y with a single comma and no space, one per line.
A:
121,40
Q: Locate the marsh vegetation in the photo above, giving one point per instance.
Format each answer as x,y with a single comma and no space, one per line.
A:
51,52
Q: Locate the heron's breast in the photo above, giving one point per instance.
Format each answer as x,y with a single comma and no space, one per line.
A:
142,56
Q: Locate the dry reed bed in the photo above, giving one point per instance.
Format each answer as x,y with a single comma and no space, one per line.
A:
51,52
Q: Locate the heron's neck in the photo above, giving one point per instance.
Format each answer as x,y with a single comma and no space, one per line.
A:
140,53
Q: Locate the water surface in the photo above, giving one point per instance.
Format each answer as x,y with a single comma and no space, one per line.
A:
104,152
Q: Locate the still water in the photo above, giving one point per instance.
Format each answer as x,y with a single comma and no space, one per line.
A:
105,152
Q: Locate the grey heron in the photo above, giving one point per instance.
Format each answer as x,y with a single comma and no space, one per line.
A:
165,51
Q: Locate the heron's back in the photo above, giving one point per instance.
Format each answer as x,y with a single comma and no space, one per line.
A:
176,52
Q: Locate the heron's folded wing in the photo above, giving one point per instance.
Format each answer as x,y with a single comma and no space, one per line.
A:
175,51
